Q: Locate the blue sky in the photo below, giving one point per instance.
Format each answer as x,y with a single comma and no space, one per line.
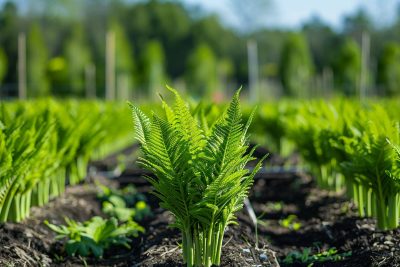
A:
291,13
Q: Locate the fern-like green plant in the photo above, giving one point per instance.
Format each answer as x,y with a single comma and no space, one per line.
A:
95,236
201,177
375,164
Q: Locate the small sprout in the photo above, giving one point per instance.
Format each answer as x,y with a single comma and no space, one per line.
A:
94,236
275,206
291,222
306,257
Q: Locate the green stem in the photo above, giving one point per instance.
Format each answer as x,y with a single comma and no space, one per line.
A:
355,193
393,211
184,247
197,246
4,215
217,260
369,202
15,209
349,188
381,205
28,199
361,210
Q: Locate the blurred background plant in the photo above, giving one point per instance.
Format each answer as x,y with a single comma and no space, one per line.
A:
121,49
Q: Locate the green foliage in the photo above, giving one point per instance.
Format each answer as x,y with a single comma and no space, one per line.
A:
3,65
95,236
116,207
58,75
77,55
349,146
44,142
296,66
201,177
180,28
375,166
153,67
291,222
201,74
347,66
388,75
37,56
306,256
124,204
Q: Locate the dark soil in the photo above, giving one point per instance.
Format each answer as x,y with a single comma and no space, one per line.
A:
327,220
160,246
31,243
324,220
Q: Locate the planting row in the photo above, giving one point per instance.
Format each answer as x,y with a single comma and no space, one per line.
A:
45,145
346,146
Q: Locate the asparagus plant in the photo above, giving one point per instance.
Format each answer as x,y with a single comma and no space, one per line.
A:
200,177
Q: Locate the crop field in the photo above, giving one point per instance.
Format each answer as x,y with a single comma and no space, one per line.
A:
174,133
184,183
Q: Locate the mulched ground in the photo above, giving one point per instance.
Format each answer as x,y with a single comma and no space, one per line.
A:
31,243
324,220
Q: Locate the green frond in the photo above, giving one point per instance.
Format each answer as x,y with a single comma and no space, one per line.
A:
141,124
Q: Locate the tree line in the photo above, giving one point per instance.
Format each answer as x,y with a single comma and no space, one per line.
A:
159,42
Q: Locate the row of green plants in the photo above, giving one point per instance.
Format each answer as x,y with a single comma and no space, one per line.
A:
46,144
346,145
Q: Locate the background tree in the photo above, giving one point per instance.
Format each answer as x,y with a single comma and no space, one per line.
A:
154,77
78,56
357,23
296,66
347,66
322,41
388,76
169,22
201,74
58,76
3,65
37,56
9,28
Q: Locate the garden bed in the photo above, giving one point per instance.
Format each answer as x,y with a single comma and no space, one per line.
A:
294,217
326,220
31,242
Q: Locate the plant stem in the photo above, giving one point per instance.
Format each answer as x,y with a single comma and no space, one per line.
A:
381,205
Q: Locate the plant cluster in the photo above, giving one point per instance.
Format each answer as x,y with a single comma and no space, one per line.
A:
308,258
46,144
200,170
352,147
95,236
125,204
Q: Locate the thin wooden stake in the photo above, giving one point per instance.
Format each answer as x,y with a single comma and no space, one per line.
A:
365,53
21,66
110,66
253,70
